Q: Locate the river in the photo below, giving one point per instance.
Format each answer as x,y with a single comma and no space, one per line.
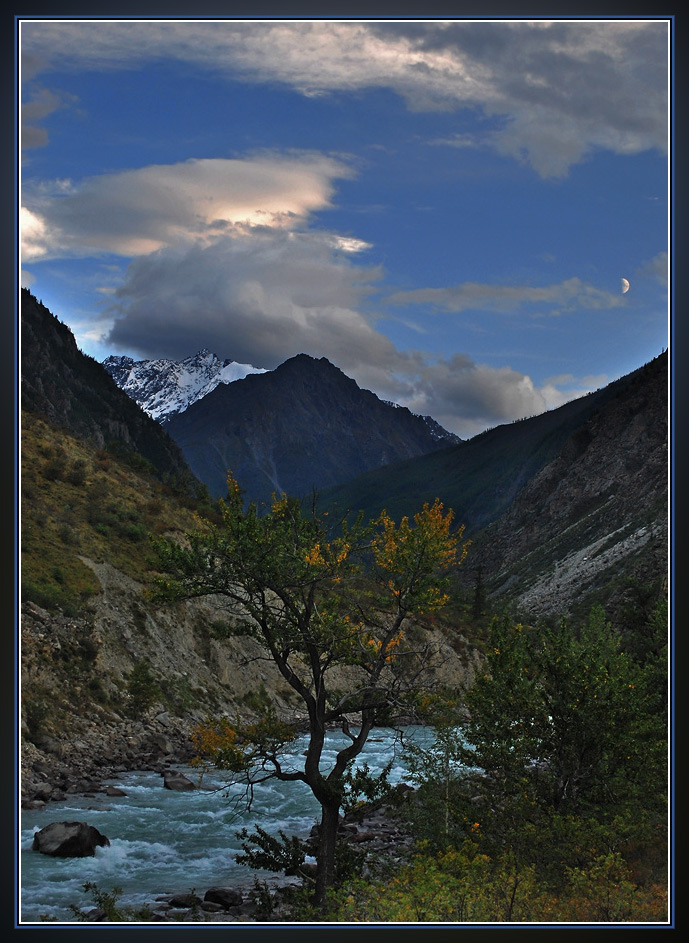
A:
168,842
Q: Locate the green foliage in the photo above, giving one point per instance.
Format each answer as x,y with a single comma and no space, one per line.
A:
131,457
89,505
55,468
258,700
548,802
143,688
463,885
107,903
263,898
435,771
35,710
77,473
277,853
560,716
316,595
479,601
361,788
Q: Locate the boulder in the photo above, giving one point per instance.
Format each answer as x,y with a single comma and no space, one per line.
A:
69,840
208,907
42,791
114,791
172,779
184,900
225,896
159,742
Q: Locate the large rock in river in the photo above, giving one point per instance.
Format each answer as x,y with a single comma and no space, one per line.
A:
69,840
172,779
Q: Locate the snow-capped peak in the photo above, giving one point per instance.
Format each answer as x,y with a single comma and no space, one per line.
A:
165,387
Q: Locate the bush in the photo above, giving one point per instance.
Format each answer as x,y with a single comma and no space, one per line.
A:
55,468
143,688
77,473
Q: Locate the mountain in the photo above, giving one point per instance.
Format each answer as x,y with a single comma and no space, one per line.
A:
596,515
165,387
61,384
559,507
303,426
110,679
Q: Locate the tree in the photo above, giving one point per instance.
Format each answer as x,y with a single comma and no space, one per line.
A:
317,597
569,732
479,602
563,712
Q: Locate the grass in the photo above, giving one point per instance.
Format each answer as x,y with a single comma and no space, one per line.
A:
77,502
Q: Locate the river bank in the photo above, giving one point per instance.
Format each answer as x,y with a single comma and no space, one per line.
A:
167,845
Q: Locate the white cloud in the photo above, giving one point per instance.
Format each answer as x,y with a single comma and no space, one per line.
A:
558,89
135,212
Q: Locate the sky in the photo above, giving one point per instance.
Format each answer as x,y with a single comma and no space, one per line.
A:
469,217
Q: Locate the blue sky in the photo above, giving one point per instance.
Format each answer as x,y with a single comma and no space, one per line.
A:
445,209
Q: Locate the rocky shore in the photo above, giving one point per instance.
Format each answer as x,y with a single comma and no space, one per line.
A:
54,768
75,743
91,764
376,831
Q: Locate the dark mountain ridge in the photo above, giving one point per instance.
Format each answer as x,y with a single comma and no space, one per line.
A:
560,508
480,477
303,426
72,390
596,515
557,506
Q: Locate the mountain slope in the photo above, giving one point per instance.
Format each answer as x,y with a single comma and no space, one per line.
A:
303,426
111,680
165,387
594,516
478,478
580,491
72,390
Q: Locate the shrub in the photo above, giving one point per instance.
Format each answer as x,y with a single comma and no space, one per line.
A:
143,688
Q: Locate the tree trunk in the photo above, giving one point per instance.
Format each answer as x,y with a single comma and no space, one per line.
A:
325,857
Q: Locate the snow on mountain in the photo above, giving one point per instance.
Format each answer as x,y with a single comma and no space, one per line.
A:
437,431
164,388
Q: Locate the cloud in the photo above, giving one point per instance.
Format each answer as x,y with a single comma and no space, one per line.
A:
544,81
656,268
556,91
270,295
135,212
506,299
258,297
467,397
43,103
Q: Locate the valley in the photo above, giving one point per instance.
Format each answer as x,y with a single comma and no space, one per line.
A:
562,512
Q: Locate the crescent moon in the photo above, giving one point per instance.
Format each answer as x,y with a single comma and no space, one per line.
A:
625,285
